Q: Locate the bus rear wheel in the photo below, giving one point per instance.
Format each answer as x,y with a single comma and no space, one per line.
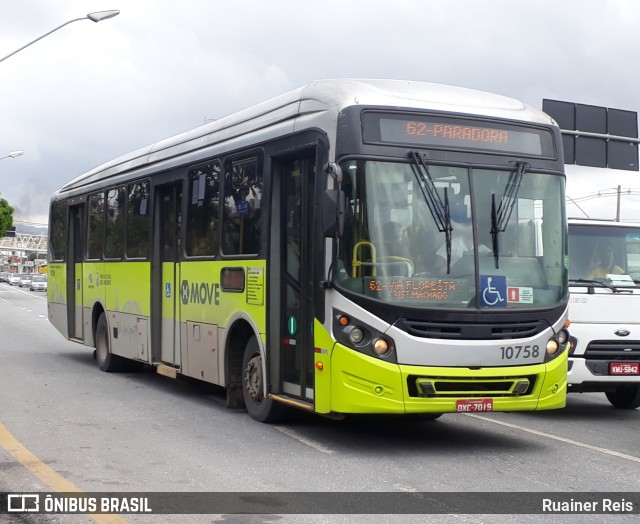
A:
107,361
625,397
259,406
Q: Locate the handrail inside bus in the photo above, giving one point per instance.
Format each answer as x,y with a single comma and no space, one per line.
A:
394,260
356,263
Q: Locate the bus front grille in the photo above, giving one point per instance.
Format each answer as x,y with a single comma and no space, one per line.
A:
472,330
434,387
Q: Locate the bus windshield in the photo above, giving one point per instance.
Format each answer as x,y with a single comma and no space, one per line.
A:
427,236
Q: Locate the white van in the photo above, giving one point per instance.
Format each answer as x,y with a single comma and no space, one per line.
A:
604,310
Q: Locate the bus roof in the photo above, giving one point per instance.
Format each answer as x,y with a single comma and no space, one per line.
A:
300,109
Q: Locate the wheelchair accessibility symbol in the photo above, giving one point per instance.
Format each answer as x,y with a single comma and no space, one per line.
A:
494,290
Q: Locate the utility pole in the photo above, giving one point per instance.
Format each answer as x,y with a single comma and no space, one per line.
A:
618,204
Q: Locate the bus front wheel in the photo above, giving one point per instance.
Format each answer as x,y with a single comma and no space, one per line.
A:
259,406
625,397
107,361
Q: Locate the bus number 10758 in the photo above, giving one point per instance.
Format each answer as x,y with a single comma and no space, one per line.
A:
513,352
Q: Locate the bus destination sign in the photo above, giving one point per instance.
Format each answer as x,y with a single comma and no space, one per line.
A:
457,133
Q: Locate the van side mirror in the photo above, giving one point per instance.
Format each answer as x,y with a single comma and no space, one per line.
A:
333,209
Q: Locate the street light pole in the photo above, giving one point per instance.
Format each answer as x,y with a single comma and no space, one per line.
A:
94,17
12,154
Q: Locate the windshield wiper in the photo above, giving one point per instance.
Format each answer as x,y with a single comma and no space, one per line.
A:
598,283
501,215
439,209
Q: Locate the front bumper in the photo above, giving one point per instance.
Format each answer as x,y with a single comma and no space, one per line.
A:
363,384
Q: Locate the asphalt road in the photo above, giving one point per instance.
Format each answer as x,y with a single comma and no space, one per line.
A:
66,426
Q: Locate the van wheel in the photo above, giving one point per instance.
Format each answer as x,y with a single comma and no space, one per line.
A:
625,397
259,407
107,361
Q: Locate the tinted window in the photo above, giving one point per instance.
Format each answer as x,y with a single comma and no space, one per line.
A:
58,230
114,243
202,210
95,235
242,216
138,220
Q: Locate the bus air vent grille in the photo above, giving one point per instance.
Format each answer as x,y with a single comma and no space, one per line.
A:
472,330
447,387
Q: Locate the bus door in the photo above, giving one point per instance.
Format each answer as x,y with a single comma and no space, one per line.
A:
296,310
167,272
75,245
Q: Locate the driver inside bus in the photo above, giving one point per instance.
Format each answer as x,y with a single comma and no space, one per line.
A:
461,236
423,239
393,243
602,264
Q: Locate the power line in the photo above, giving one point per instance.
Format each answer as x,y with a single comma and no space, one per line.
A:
613,191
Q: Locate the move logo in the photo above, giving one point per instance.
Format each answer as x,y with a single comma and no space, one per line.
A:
200,293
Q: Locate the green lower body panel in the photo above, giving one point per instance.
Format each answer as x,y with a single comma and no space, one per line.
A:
363,384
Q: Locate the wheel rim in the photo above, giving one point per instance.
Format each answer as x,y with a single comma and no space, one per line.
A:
253,378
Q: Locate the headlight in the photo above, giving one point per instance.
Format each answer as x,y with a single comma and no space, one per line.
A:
380,346
356,335
552,347
563,336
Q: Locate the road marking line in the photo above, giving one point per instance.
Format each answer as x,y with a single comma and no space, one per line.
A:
47,475
304,440
556,437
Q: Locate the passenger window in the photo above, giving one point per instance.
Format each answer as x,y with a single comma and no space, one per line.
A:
242,214
58,233
202,210
138,220
114,243
95,234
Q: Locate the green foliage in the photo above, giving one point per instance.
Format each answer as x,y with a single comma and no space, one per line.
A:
6,217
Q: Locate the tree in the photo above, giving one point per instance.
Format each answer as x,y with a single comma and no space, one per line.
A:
6,217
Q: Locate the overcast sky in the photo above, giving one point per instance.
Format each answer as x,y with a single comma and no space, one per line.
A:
91,92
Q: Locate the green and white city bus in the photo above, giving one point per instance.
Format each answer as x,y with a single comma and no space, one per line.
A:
352,246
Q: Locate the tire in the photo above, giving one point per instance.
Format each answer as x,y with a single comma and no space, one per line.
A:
625,397
259,407
107,361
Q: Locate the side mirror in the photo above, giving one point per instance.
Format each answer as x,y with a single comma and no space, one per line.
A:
333,209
